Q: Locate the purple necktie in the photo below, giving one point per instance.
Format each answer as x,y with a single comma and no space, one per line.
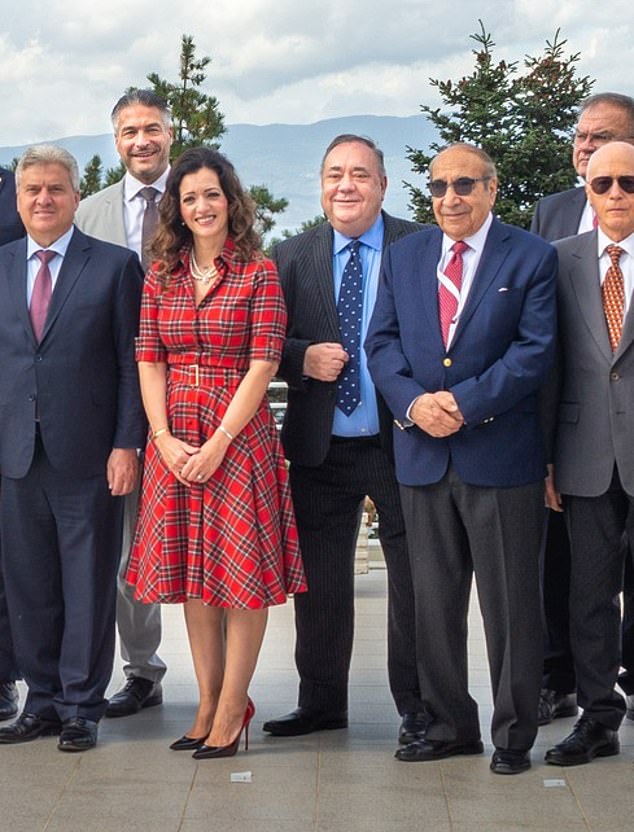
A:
41,295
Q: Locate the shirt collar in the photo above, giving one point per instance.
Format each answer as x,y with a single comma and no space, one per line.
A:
475,242
132,186
603,241
373,237
59,246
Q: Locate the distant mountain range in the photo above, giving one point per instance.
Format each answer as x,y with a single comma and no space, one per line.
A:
286,157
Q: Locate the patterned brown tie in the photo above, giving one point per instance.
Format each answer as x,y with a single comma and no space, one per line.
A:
150,220
613,295
41,295
448,297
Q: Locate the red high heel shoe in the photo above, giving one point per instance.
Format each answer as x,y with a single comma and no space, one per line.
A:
209,752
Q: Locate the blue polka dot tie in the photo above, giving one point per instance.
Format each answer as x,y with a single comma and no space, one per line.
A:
350,311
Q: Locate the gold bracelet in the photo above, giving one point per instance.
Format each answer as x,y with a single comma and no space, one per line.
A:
224,430
159,432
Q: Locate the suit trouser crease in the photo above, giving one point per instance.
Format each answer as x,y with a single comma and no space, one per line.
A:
328,502
456,530
599,551
61,539
139,624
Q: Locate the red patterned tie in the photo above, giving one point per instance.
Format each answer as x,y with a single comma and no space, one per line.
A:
613,295
41,295
449,291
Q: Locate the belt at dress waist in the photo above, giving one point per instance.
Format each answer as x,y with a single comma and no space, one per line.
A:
193,375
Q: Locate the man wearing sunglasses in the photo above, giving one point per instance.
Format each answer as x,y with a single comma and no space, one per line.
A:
461,339
593,475
603,118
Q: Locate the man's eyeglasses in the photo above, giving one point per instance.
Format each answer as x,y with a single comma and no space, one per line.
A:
602,184
461,187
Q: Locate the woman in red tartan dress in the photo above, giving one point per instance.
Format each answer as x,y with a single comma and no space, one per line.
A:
216,530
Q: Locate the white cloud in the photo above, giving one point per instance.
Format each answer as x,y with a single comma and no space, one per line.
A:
63,63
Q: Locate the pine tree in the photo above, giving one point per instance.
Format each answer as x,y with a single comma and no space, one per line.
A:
523,121
91,181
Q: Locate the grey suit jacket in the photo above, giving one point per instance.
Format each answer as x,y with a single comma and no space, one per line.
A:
101,215
558,215
305,266
595,411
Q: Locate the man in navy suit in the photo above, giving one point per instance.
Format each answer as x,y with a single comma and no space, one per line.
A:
461,338
11,228
603,118
70,422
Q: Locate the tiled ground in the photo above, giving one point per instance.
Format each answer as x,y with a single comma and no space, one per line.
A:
335,781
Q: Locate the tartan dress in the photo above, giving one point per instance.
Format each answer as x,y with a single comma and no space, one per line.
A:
231,541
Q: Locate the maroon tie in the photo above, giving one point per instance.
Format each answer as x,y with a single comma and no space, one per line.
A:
448,297
41,295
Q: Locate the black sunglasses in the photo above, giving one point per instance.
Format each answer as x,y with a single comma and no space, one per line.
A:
602,184
461,187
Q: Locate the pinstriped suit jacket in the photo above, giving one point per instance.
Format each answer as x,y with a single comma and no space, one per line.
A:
305,266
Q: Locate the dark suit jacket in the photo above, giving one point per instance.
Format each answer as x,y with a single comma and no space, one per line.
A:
11,227
305,266
558,215
82,375
501,350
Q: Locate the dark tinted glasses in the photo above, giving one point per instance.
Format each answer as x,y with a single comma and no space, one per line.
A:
602,184
461,187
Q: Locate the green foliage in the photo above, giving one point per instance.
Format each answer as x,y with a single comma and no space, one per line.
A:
91,180
196,115
266,205
318,219
113,175
524,122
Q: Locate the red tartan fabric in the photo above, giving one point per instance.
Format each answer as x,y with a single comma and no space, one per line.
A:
232,541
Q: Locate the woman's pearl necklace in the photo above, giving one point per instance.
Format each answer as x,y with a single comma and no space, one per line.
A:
204,276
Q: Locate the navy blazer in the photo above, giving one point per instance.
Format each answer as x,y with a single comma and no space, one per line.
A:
11,227
82,376
500,353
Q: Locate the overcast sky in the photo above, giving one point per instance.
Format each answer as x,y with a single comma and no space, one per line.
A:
63,63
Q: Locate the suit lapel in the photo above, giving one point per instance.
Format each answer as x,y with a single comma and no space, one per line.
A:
113,216
321,273
493,256
585,283
17,286
425,279
75,260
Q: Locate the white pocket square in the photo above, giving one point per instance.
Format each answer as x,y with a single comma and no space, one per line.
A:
503,289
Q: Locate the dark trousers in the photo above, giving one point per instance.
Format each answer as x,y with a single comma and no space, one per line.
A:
559,670
328,504
8,665
597,526
61,542
456,530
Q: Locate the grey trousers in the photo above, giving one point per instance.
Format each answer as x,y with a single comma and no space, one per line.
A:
139,625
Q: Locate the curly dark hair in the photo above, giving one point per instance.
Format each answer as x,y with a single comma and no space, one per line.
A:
172,234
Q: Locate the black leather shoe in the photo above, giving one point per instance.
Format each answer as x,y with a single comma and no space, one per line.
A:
422,751
413,727
78,734
137,693
508,761
629,704
305,721
554,705
186,743
588,739
8,700
29,727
